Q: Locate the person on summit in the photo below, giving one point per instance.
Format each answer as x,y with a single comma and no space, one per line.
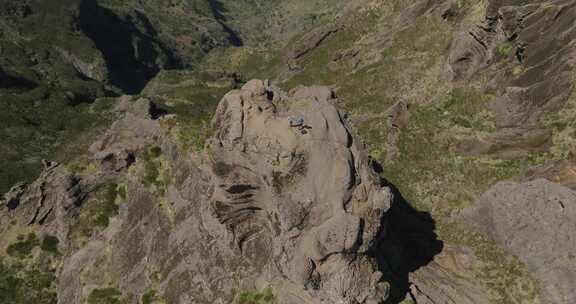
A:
296,123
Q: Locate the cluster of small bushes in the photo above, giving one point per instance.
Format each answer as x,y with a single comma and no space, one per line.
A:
152,167
24,245
97,211
25,285
106,296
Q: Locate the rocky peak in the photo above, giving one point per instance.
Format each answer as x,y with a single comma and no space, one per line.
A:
282,197
293,189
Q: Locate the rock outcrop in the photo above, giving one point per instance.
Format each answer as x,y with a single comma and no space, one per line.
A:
294,208
300,201
49,204
535,221
528,51
448,279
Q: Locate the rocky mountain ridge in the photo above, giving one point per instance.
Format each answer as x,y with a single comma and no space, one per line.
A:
264,212
441,173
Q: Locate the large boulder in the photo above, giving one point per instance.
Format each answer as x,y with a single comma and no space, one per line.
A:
535,221
299,202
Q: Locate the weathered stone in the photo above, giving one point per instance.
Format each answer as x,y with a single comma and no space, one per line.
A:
449,278
534,221
294,208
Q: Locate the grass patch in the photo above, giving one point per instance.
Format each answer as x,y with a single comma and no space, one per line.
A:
23,247
505,48
155,173
563,125
256,297
38,124
151,297
429,171
106,296
192,98
189,134
148,297
19,285
97,211
507,277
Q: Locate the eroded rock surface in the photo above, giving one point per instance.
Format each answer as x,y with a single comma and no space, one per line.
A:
295,208
300,201
535,221
448,279
537,40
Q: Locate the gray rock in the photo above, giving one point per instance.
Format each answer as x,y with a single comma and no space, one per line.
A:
449,278
522,49
294,208
535,221
48,204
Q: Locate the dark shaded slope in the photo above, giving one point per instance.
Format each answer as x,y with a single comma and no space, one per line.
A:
410,243
218,10
132,57
8,81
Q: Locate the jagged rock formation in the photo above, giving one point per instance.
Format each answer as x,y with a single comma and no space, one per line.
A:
302,202
534,221
50,202
539,40
293,208
450,96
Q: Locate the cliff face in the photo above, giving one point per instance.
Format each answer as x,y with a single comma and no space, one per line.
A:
58,58
266,205
402,151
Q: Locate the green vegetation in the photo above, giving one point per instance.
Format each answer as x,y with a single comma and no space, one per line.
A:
108,208
155,174
21,285
151,174
563,125
50,244
430,170
193,99
407,300
256,297
505,48
122,191
504,274
151,297
40,124
154,152
106,296
429,157
97,211
517,70
148,297
23,247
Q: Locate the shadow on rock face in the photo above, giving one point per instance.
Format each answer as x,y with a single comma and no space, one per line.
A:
410,242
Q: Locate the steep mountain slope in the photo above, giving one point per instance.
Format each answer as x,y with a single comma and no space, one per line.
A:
55,58
266,213
452,97
448,98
